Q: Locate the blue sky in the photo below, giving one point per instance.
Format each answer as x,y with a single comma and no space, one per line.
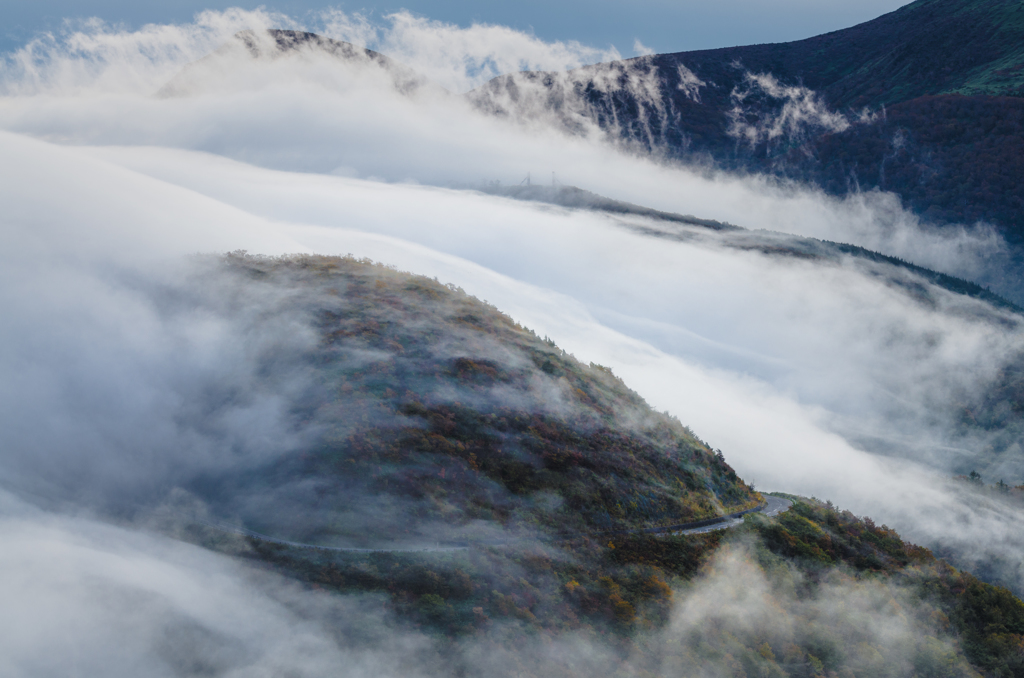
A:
663,25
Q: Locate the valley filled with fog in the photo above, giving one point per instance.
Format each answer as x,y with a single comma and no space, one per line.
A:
842,378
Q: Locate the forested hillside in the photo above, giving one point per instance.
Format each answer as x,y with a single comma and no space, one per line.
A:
952,158
429,415
923,102
796,595
501,489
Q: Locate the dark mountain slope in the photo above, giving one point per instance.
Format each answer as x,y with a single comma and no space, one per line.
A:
926,47
952,158
851,110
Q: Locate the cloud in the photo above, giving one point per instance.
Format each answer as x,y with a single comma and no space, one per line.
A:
861,625
690,84
640,49
91,57
765,110
835,378
85,597
460,58
311,114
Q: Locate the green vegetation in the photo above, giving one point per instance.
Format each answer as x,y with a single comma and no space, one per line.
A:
932,93
987,619
429,416
816,591
952,158
438,418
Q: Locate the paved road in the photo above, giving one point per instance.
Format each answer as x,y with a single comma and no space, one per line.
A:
773,507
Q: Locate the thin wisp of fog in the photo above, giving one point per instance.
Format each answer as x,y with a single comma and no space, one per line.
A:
838,377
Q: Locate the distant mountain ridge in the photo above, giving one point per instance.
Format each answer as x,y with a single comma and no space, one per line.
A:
925,101
768,242
831,111
968,47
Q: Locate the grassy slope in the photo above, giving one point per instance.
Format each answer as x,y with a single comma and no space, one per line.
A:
459,417
455,413
621,592
989,620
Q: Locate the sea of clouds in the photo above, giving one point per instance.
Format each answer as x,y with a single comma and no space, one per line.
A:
818,378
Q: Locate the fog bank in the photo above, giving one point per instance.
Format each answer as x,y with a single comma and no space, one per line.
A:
843,379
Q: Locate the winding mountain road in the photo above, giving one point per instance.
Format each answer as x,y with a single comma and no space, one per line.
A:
773,506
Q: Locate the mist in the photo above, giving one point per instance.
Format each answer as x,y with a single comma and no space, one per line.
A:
84,597
308,113
841,379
